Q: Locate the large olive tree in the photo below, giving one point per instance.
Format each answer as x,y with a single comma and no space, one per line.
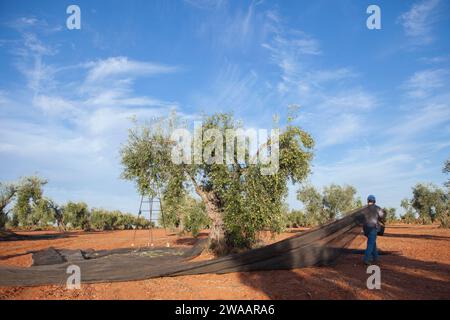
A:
240,199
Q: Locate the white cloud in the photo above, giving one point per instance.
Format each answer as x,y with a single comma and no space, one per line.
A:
71,131
329,97
54,105
435,59
353,99
30,52
118,96
3,98
422,83
205,4
122,66
418,21
420,121
339,130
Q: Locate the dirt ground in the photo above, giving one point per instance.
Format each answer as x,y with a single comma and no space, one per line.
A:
415,264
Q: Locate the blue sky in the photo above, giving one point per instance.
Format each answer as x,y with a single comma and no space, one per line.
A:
376,101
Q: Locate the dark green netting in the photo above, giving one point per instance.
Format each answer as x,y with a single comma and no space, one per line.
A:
317,246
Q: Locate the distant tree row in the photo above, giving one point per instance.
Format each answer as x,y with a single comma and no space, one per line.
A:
320,207
23,205
429,204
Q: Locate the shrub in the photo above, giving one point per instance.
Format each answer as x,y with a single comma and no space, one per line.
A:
76,215
195,218
28,209
295,219
390,215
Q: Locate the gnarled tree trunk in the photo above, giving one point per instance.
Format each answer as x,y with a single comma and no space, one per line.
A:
217,231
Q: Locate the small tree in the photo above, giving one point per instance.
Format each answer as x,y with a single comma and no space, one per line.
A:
391,217
331,204
338,200
57,213
431,203
7,193
408,217
29,207
295,219
195,218
42,214
76,215
446,170
314,210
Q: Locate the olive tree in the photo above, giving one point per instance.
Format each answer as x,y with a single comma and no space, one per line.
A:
29,208
409,216
7,193
239,198
391,216
57,213
446,170
76,215
311,198
332,203
339,199
431,203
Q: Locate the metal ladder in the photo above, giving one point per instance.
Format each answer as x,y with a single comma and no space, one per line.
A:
151,210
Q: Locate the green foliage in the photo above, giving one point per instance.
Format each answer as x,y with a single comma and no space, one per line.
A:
76,215
57,213
295,219
390,217
195,218
42,214
315,213
174,202
431,203
409,216
101,219
331,204
446,170
7,193
185,212
32,210
338,200
29,210
238,198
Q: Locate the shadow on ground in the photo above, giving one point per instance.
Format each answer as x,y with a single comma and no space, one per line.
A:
345,278
415,236
11,236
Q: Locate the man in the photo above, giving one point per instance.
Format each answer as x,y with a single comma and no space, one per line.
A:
373,218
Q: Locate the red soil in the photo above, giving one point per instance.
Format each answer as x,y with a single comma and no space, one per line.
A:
416,265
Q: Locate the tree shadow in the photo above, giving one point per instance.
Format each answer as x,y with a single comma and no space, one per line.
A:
345,278
186,241
415,236
11,236
14,255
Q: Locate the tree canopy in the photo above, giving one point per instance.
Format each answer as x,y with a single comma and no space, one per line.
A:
239,198
332,203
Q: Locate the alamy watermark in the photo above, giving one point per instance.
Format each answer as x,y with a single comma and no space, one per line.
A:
74,280
74,20
374,280
373,22
214,146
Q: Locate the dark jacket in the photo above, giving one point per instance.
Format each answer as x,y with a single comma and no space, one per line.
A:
373,217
